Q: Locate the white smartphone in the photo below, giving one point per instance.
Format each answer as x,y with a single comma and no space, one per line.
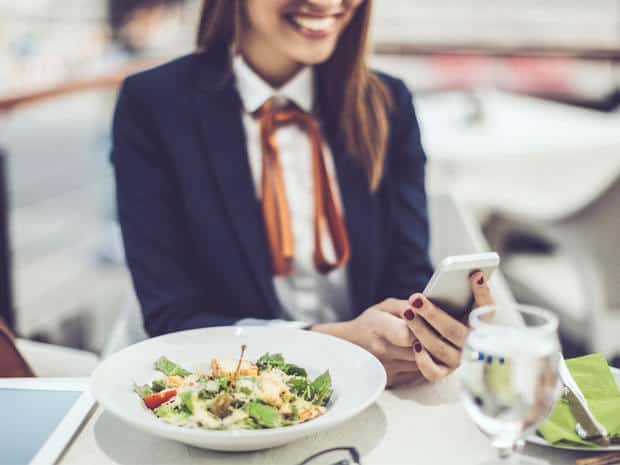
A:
449,287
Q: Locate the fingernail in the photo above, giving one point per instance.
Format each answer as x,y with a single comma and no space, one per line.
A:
417,303
480,282
409,315
417,347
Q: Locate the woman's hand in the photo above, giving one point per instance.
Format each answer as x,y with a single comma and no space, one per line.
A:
381,330
439,337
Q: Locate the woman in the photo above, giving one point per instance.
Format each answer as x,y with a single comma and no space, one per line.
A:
273,176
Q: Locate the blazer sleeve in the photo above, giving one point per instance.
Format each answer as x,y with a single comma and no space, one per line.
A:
408,266
157,243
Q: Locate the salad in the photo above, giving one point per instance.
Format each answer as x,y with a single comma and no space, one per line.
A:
237,394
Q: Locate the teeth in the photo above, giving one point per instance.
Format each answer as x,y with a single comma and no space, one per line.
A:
315,24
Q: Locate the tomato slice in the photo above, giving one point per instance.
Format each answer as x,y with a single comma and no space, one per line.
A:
155,400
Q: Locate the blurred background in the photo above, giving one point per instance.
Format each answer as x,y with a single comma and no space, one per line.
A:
517,100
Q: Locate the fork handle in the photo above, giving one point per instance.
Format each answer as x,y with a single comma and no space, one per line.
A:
601,459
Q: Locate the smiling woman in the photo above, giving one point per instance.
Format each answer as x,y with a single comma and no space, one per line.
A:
279,37
273,176
297,33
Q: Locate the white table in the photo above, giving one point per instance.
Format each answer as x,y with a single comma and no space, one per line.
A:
526,155
423,424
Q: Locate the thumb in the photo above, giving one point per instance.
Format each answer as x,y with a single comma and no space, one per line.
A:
394,307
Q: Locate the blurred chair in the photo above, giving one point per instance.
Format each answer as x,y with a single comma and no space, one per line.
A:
48,360
12,362
572,266
44,359
6,296
453,231
65,287
128,328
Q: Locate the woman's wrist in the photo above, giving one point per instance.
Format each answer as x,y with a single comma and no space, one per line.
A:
342,329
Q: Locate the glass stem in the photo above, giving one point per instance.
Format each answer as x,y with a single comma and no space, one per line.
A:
504,453
509,455
519,445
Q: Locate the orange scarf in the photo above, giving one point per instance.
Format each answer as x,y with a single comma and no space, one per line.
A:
276,214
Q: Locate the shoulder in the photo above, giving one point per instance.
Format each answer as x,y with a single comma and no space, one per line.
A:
397,88
176,77
146,97
403,116
160,78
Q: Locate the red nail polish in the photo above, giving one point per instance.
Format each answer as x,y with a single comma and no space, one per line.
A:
480,282
409,315
418,347
418,303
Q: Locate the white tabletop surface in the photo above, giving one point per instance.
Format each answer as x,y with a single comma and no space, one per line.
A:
512,126
423,424
526,155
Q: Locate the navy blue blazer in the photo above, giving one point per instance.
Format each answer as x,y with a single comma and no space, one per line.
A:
191,222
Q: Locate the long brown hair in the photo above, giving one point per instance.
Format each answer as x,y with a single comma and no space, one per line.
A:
351,96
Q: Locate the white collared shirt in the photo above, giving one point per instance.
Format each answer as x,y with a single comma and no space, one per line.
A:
305,295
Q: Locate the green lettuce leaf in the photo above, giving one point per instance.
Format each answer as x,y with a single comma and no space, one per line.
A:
158,385
265,415
143,391
268,361
321,389
187,402
170,368
300,386
294,370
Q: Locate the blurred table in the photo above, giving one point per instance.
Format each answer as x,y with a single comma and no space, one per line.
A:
417,424
521,154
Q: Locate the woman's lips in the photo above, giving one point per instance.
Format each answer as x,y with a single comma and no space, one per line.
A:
314,27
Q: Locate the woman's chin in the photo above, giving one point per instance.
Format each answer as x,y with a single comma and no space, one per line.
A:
314,55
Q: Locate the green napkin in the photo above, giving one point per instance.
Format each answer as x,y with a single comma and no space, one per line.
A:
600,390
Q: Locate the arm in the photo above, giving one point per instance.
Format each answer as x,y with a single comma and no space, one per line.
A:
407,267
157,245
381,329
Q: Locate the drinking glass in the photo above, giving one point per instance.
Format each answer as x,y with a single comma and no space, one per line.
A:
509,374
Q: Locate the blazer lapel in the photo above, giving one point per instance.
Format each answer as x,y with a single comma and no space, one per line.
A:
361,218
222,129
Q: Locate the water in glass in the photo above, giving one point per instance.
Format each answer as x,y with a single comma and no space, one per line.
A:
509,373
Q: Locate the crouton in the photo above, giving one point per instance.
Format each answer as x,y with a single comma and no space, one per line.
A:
272,389
228,366
311,412
174,381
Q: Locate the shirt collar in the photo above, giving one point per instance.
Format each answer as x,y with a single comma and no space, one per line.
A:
254,91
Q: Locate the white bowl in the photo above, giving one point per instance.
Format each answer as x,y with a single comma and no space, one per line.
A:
358,379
